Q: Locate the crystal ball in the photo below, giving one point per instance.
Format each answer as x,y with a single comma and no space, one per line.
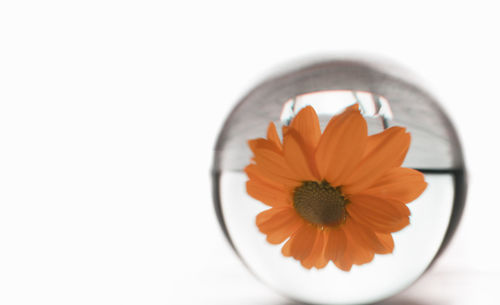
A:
338,182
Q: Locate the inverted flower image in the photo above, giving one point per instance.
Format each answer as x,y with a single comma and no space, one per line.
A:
336,195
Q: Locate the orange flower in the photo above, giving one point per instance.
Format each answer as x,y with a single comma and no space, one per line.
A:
335,196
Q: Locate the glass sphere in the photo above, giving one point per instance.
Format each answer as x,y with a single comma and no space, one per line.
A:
386,97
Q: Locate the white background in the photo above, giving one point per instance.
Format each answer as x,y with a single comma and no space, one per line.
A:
109,111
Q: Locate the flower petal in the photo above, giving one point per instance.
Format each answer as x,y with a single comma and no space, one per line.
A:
344,262
272,134
316,258
402,184
274,166
281,234
306,124
261,143
335,243
261,174
286,250
363,236
341,146
301,242
278,223
267,194
322,261
254,172
296,158
384,151
356,254
271,143
387,242
353,254
381,215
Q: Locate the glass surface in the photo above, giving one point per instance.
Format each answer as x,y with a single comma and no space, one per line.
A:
386,99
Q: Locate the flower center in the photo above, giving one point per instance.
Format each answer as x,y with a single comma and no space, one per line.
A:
320,203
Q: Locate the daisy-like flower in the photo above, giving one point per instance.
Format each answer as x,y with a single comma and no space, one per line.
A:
335,196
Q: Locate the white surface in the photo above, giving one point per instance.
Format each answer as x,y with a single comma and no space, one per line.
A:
108,115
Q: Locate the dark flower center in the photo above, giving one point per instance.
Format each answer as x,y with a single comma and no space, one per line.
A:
320,203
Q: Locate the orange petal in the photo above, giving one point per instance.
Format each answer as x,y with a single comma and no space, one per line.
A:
306,124
274,166
286,250
272,142
335,243
268,194
302,241
278,223
296,158
308,154
381,215
261,143
254,173
284,130
273,160
355,252
387,242
316,258
344,263
402,184
384,151
363,236
281,234
272,134
341,146
258,173
321,261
